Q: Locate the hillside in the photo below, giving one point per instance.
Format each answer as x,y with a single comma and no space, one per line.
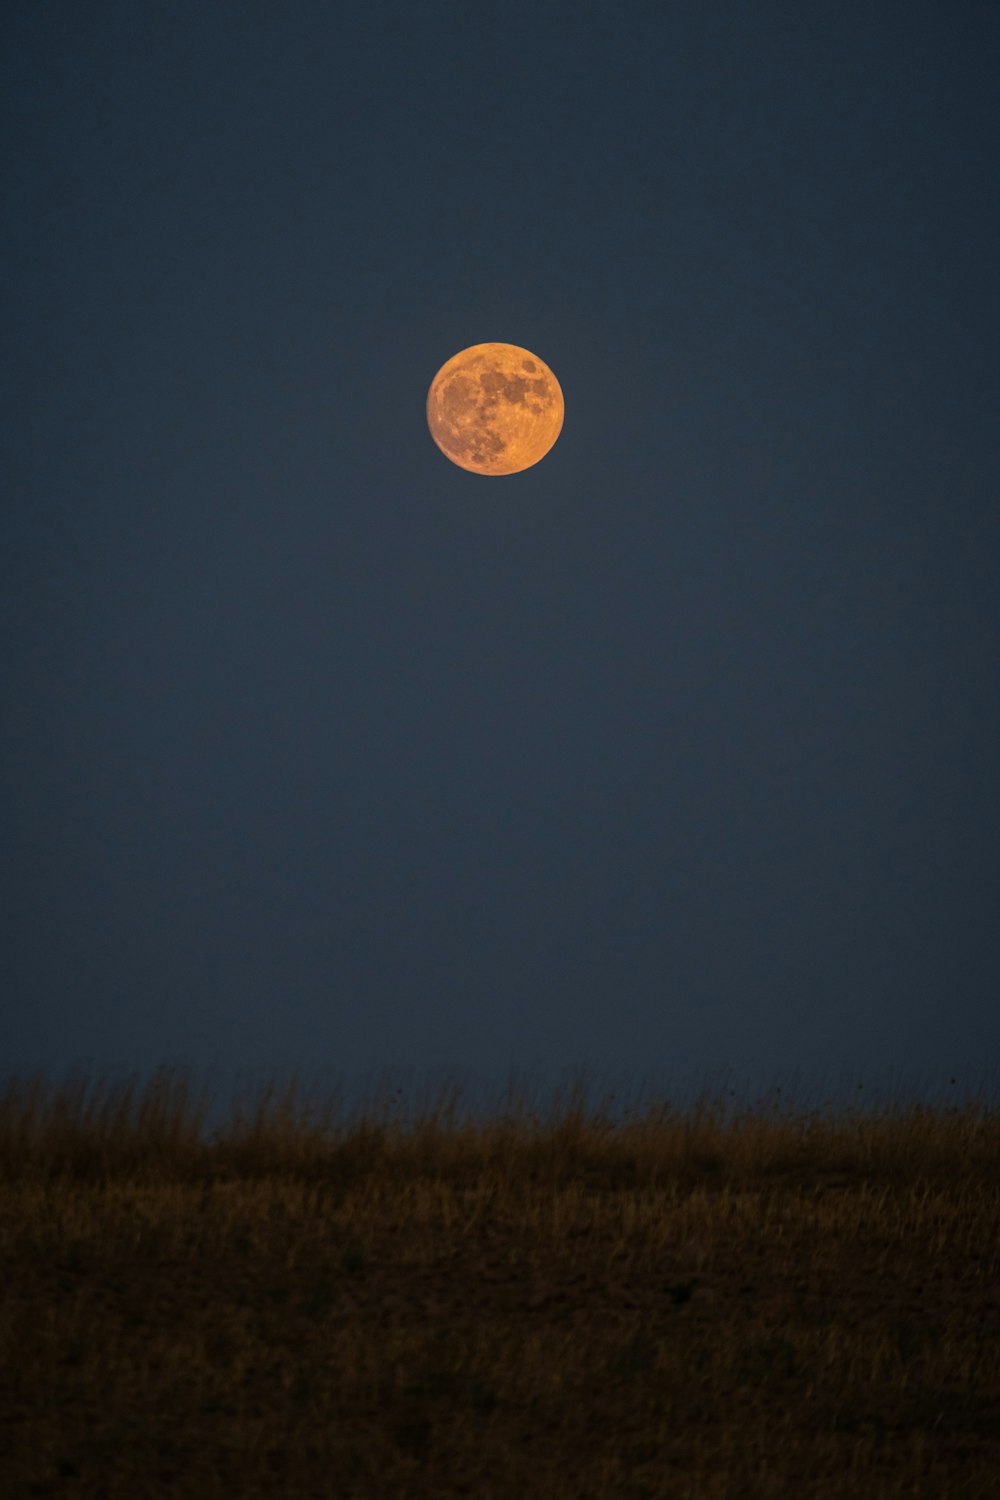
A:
674,1304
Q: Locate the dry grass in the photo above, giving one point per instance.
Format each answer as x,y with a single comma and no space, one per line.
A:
674,1304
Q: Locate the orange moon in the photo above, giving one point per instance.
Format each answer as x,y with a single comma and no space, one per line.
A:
495,409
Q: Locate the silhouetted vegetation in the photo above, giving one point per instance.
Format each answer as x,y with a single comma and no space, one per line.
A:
706,1302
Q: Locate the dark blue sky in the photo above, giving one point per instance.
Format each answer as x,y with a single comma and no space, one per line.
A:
676,752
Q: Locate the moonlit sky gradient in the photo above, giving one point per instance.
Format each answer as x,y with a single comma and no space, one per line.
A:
677,753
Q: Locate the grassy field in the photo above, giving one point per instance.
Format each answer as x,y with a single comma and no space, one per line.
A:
694,1303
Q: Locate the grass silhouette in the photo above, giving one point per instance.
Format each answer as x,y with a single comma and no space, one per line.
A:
710,1302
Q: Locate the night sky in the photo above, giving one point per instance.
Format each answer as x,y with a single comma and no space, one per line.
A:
678,753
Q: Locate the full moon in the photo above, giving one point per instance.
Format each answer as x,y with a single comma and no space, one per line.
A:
495,409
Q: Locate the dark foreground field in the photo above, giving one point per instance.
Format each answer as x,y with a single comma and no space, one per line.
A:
673,1305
